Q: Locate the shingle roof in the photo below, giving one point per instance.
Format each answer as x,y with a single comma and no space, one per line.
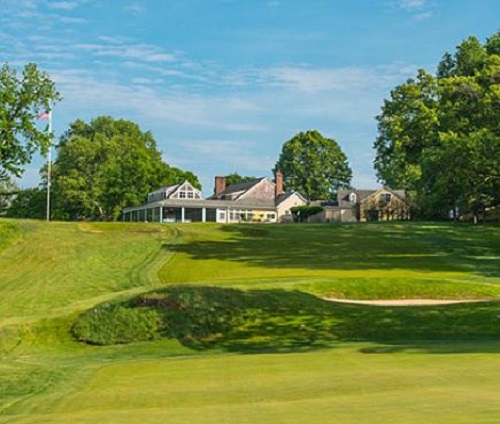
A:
343,195
235,188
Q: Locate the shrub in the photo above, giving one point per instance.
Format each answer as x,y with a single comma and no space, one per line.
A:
115,324
301,213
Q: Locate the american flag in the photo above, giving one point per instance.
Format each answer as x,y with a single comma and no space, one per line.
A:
43,115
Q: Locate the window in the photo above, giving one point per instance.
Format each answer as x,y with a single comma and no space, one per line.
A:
352,198
385,197
182,194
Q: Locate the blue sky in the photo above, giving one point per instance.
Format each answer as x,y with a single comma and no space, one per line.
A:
222,84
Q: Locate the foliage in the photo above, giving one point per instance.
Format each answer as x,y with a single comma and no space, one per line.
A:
51,272
236,178
115,324
28,203
301,213
206,316
22,98
313,165
106,165
8,189
439,137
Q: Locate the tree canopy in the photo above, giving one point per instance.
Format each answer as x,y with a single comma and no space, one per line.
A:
313,165
235,178
106,165
22,98
439,136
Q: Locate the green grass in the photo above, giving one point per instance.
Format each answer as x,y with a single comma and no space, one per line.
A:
287,356
349,384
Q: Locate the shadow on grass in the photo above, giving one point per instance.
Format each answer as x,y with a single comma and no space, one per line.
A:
436,347
410,246
265,321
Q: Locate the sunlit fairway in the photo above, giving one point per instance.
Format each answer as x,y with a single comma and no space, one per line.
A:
293,358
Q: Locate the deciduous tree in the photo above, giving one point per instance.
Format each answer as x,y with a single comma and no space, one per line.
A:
236,178
439,137
314,165
106,165
22,98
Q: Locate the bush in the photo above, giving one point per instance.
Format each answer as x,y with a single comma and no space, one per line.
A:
115,324
301,213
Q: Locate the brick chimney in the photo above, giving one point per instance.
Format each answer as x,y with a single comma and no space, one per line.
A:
220,185
279,183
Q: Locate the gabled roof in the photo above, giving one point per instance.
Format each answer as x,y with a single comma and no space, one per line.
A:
362,195
398,193
343,195
283,196
169,190
233,189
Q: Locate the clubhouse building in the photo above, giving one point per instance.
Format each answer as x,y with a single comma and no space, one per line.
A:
259,200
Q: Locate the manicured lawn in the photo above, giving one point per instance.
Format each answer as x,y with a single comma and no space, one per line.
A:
50,273
348,384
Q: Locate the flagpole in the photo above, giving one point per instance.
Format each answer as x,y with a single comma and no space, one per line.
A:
49,165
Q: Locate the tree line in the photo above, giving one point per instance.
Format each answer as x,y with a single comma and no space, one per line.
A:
439,135
438,139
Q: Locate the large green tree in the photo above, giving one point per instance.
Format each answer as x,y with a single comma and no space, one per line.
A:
28,203
235,178
22,98
106,165
439,136
314,165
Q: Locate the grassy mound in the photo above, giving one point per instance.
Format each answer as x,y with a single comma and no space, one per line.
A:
201,316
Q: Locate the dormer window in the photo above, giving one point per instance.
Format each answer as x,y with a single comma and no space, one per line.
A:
352,198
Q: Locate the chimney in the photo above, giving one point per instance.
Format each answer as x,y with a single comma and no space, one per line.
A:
279,183
220,185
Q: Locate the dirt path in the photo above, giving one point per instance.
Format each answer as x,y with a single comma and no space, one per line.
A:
405,302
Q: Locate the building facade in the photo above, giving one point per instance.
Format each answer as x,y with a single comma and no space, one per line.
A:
259,200
382,204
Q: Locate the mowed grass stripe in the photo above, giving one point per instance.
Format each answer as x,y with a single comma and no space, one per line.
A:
340,385
406,252
57,265
51,272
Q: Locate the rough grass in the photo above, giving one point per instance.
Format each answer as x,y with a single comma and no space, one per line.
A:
276,320
50,273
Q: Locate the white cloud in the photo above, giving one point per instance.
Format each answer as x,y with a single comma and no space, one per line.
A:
228,154
87,92
314,80
424,16
147,81
134,8
420,10
144,52
412,4
62,5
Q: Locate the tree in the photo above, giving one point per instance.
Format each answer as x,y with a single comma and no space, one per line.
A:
106,165
8,189
236,178
21,100
28,203
439,137
313,165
